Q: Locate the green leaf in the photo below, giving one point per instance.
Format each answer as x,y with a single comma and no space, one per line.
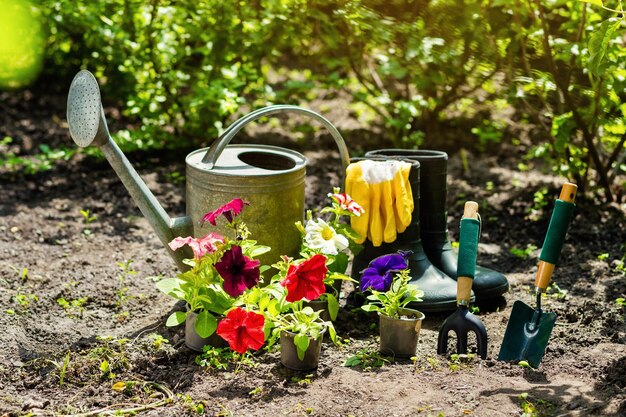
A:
352,361
340,263
206,324
594,2
370,307
302,344
333,306
170,286
176,318
598,45
332,333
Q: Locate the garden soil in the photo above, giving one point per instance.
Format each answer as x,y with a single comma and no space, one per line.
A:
82,325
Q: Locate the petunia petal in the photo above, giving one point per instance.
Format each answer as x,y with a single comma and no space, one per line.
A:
242,330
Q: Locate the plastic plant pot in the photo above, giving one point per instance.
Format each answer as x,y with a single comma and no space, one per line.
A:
194,342
289,352
398,337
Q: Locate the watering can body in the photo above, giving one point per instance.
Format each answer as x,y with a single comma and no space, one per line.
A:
271,179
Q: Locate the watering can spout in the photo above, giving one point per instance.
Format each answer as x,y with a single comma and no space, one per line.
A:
166,228
87,124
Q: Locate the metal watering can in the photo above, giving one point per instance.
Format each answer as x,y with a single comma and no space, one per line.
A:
270,178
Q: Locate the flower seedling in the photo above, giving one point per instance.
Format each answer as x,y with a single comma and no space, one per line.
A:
387,277
335,240
222,274
300,280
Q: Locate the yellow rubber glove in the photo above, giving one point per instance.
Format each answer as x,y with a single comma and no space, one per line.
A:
404,198
358,189
382,188
387,204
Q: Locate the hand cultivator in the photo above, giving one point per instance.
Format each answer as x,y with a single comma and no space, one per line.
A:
462,321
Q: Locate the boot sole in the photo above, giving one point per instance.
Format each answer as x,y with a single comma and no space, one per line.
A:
440,307
491,293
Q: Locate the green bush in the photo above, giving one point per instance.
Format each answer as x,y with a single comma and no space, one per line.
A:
566,76
177,69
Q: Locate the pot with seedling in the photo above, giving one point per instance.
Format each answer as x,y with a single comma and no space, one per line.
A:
222,272
271,178
387,278
298,327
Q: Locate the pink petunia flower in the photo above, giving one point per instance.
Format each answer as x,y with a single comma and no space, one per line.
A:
347,203
199,246
229,210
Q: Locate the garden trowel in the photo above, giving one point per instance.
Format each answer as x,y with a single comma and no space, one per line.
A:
529,329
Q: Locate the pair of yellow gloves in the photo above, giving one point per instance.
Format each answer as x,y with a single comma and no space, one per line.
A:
382,188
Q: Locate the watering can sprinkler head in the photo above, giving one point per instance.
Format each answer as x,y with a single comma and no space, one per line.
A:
85,115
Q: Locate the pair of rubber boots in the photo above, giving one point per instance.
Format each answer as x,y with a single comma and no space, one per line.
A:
433,262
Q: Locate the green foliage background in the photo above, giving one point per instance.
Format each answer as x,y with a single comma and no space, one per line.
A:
417,69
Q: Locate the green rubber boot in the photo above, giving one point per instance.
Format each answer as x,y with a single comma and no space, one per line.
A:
439,289
488,284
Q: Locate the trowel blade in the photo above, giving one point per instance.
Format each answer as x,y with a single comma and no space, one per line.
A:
526,335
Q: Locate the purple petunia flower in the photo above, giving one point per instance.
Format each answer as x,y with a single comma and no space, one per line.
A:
380,272
239,271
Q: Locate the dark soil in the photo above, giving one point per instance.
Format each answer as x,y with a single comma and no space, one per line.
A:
52,358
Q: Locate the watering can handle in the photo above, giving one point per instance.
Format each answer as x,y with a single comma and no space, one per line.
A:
216,148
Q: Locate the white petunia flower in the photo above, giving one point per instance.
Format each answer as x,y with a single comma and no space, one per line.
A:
320,235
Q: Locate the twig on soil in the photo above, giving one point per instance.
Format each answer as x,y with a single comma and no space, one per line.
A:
114,409
143,332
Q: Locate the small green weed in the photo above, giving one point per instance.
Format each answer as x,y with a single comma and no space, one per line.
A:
523,253
222,358
539,202
621,302
158,341
24,299
366,359
73,308
192,405
535,408
603,256
88,218
126,271
556,292
460,362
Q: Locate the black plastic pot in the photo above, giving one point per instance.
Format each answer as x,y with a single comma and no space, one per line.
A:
398,337
321,306
194,342
289,352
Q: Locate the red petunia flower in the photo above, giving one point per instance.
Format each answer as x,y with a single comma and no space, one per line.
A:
229,210
242,330
347,203
306,280
198,246
239,271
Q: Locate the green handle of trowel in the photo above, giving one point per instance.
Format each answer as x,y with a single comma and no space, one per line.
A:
555,236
